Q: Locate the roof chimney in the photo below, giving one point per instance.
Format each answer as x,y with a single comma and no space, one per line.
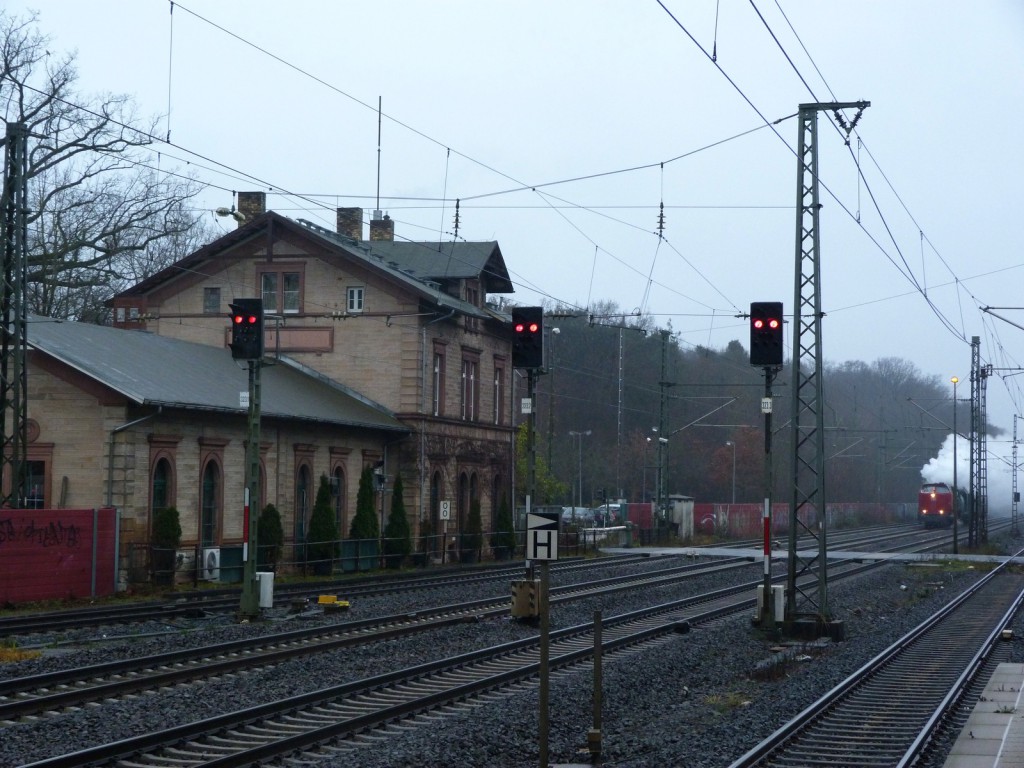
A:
381,228
251,205
350,223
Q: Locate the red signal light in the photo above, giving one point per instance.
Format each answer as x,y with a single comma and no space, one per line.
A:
238,319
520,327
773,323
759,323
534,327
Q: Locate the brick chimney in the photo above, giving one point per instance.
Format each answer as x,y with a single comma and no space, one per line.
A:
350,222
251,205
381,228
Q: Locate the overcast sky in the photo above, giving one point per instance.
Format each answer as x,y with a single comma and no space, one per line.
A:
563,126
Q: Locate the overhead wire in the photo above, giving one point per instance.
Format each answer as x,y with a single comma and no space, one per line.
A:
960,333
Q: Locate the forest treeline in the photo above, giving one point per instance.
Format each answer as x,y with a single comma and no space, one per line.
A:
600,418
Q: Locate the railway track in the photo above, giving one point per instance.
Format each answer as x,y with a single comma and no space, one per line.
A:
57,691
342,715
193,604
886,712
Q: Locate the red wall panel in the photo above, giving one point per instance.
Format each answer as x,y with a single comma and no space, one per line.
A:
53,554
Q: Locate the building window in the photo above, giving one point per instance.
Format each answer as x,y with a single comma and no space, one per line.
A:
211,301
35,485
472,297
210,512
303,489
470,389
499,394
161,485
355,298
439,363
281,291
338,493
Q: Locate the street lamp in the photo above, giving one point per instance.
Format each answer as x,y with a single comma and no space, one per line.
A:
643,493
550,367
956,492
579,436
382,479
730,442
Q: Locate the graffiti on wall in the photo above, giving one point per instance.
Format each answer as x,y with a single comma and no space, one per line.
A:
54,533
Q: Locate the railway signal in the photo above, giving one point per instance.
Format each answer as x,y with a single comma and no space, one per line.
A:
247,329
766,333
528,337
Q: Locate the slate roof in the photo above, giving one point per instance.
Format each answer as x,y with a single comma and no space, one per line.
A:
435,261
416,266
155,370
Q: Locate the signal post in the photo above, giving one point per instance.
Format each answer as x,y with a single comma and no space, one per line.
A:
247,344
542,529
766,331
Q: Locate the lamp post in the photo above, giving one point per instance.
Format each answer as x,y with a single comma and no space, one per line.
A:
381,479
550,366
643,494
579,436
730,442
956,492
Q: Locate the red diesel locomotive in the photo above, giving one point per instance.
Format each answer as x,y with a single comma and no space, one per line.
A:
935,505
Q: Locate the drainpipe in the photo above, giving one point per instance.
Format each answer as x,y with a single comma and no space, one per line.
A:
110,464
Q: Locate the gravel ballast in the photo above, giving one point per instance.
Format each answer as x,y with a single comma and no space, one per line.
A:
697,699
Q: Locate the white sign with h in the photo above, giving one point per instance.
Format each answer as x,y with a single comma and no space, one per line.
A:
542,535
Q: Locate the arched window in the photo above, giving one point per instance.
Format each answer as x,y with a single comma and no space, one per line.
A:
436,524
495,497
161,491
303,489
464,497
338,495
210,512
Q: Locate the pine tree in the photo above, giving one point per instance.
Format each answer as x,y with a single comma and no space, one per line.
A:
323,528
364,523
397,535
269,536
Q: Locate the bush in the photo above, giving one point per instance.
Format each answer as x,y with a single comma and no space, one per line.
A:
503,540
364,523
269,537
397,536
323,529
473,534
164,542
166,528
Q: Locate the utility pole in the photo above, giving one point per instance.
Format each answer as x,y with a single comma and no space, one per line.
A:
807,598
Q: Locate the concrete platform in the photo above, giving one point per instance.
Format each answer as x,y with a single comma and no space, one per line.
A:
994,734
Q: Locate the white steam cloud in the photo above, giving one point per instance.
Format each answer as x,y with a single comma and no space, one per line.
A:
998,474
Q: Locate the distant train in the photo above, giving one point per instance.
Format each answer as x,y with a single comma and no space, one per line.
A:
935,505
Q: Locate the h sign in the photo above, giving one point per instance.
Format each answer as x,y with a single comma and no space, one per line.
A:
542,535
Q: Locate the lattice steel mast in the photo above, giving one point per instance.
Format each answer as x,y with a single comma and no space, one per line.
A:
978,525
13,374
807,577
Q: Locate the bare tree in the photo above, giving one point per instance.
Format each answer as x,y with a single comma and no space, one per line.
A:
100,213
